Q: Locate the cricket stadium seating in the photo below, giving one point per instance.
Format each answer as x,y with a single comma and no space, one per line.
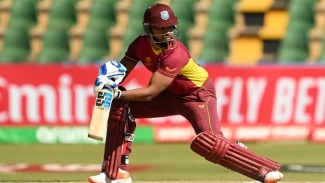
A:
234,32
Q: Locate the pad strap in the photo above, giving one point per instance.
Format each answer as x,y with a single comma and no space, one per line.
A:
129,137
125,159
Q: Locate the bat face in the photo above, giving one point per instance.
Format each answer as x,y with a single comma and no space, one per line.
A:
98,123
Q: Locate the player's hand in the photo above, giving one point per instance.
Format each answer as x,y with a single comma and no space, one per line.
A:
113,70
115,92
104,83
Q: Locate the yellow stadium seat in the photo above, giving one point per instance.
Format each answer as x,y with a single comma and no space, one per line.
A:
315,49
254,5
83,8
320,15
316,34
245,51
164,2
5,6
43,15
275,24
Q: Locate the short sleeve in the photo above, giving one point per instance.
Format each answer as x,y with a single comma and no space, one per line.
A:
172,65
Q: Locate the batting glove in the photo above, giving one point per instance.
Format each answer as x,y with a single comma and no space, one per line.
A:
104,83
116,92
113,70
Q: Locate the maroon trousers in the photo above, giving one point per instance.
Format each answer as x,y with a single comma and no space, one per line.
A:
198,107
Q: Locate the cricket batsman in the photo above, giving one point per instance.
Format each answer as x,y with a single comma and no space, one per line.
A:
178,86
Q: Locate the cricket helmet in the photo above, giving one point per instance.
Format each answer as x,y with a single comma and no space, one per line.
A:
158,16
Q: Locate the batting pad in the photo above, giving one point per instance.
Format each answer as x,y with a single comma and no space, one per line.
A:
219,150
116,128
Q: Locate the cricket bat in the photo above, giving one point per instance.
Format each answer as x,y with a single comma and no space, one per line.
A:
102,107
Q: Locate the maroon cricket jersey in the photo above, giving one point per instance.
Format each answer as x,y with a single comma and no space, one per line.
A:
176,63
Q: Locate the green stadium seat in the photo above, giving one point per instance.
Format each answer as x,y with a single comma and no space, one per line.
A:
215,47
221,13
302,11
137,9
294,47
95,46
184,27
132,32
129,36
16,45
23,14
62,14
291,56
184,10
294,26
309,2
55,46
134,27
215,41
102,14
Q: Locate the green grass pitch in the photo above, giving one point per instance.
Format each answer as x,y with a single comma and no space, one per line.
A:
173,163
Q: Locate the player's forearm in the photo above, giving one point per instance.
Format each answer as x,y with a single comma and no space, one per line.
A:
141,94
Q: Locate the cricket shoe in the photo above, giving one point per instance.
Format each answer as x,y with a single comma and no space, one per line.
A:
273,177
122,177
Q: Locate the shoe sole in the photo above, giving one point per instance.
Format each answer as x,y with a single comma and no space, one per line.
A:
273,179
91,181
129,180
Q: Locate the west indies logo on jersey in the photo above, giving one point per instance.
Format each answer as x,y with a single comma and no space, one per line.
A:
164,15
